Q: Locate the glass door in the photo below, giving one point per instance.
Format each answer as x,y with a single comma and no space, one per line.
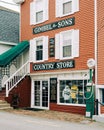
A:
44,93
41,96
37,92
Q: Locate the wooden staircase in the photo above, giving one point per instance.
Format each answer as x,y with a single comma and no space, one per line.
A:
16,77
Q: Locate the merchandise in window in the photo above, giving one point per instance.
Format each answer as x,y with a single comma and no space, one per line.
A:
72,91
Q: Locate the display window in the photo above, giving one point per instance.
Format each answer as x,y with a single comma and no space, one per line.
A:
72,91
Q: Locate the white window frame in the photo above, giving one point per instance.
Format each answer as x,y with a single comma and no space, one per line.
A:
59,44
59,7
35,7
58,90
39,43
62,43
32,51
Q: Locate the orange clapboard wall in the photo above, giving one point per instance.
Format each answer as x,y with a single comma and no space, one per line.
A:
84,21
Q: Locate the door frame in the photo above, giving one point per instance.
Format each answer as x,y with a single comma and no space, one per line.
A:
33,93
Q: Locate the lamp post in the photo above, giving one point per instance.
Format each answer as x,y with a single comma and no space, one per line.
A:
90,90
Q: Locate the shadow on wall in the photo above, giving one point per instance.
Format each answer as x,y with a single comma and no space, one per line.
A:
20,96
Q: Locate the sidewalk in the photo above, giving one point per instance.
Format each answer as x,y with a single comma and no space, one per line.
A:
52,115
99,118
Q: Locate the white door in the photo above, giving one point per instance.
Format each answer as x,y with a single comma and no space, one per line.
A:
41,94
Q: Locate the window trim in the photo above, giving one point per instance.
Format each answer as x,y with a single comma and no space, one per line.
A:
38,50
32,51
59,7
61,46
75,44
45,10
36,39
58,94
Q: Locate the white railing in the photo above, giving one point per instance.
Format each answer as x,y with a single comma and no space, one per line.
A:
16,77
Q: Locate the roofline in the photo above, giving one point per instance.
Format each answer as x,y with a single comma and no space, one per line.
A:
8,9
8,43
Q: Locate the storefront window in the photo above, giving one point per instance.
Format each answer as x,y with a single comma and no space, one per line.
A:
102,95
72,91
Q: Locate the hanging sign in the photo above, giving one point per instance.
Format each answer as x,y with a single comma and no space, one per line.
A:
55,25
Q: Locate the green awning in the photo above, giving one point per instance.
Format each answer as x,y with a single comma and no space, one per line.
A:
12,53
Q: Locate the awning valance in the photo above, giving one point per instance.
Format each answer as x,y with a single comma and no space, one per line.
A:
12,53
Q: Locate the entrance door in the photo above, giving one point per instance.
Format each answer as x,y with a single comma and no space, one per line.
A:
41,96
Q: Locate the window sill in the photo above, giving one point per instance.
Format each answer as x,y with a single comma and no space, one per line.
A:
83,105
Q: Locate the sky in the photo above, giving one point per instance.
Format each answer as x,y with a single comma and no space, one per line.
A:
10,4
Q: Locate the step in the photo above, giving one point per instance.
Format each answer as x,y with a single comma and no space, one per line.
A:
99,118
4,108
4,105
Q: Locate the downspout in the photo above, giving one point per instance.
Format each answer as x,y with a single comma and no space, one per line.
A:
96,51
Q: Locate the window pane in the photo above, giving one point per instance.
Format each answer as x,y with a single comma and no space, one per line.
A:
39,55
39,50
67,7
72,91
39,16
67,51
102,95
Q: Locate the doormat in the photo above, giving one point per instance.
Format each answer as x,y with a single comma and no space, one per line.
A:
33,109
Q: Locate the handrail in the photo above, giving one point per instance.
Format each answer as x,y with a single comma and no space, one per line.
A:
101,103
16,77
16,72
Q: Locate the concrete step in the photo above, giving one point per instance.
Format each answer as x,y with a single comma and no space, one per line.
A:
99,118
4,105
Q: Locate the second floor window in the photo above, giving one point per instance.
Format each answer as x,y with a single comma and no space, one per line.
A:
38,11
67,44
66,7
38,49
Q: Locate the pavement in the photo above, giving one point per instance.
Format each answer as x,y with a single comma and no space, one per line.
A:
17,121
99,118
55,115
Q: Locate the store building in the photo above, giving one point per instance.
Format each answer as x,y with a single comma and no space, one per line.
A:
59,33
62,36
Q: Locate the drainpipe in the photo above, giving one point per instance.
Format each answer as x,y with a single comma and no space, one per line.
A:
96,48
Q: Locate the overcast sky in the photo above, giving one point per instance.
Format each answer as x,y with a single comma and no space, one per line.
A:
12,5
